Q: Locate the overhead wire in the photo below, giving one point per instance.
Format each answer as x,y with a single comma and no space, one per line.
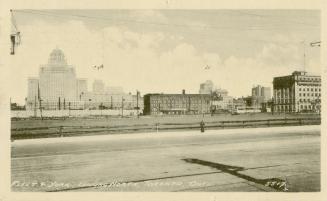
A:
272,17
64,15
49,13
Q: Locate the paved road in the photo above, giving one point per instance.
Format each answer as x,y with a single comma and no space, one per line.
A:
237,160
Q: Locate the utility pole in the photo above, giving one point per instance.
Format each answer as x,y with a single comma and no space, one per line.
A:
40,100
59,103
111,104
34,106
101,106
40,106
122,106
137,103
68,108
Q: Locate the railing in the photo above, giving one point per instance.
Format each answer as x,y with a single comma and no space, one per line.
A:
62,131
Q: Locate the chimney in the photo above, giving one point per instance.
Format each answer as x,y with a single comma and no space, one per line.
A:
183,92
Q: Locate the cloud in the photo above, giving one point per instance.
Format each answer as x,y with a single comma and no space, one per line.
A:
148,16
144,61
281,55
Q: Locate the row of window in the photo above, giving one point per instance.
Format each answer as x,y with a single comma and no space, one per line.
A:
175,105
309,79
309,89
308,94
305,100
180,101
302,107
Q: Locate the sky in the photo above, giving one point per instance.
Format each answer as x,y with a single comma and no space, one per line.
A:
165,51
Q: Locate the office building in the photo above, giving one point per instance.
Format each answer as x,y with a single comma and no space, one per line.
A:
56,86
298,92
260,96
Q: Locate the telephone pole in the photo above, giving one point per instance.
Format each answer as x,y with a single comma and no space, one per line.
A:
122,106
34,106
40,100
137,103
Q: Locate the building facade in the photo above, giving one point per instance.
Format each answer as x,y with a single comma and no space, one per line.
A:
221,101
81,88
32,95
155,104
206,88
299,92
98,87
56,86
260,95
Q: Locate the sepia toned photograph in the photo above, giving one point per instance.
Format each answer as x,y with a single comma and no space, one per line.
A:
165,100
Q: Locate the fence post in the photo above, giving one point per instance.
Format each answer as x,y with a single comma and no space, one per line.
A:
157,127
60,131
243,122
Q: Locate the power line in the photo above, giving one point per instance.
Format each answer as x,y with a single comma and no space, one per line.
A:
48,13
271,17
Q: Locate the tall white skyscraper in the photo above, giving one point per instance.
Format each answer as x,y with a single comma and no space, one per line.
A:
57,83
57,79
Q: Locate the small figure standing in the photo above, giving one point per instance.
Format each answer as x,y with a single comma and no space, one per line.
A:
202,124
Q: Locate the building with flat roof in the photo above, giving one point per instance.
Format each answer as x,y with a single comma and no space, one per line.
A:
298,92
56,86
98,87
81,88
155,104
260,96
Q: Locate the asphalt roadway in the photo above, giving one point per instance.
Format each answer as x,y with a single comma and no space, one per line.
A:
283,159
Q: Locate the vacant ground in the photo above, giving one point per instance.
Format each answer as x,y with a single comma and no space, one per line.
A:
146,120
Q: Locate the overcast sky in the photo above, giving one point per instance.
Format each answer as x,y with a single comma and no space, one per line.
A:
168,50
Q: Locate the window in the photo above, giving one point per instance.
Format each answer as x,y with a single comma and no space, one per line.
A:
299,89
299,94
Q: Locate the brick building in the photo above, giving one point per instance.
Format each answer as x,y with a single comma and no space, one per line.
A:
176,104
